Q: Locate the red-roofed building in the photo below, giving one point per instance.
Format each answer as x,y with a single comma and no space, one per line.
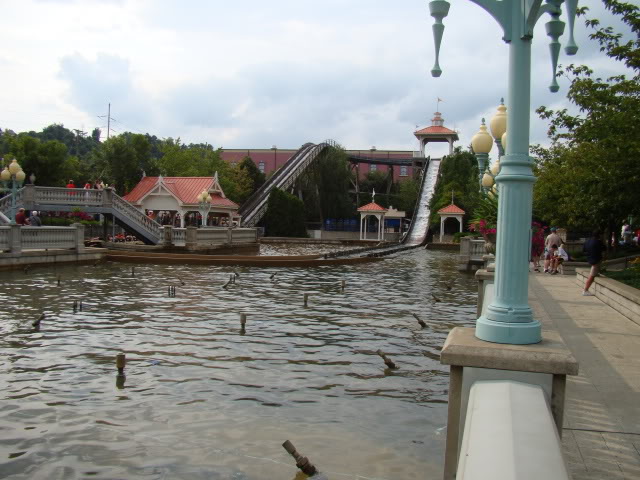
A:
372,210
174,199
450,211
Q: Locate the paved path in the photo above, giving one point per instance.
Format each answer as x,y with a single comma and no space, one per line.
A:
601,435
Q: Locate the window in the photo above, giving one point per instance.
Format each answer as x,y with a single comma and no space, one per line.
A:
373,167
404,171
261,167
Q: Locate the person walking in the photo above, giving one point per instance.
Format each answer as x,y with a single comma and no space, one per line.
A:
552,238
593,248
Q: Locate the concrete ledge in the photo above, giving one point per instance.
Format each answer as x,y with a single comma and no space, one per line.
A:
622,298
50,257
551,355
509,433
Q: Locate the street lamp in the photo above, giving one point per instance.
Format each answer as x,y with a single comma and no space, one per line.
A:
508,317
12,177
481,143
498,124
204,206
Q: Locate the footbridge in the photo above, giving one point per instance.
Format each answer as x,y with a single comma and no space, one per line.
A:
106,202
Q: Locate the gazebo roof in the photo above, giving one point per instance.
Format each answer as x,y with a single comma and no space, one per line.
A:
452,210
184,189
372,207
436,130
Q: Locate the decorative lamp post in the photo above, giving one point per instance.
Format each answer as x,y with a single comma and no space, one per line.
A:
508,318
204,206
481,143
498,125
12,178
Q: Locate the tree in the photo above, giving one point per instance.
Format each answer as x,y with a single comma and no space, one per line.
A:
48,161
325,186
285,215
257,177
458,177
589,176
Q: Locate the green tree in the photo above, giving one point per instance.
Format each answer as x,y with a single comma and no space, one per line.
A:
458,177
589,176
325,186
285,215
257,177
48,161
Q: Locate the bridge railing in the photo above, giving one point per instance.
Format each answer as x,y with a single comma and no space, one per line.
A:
63,196
131,212
16,238
476,249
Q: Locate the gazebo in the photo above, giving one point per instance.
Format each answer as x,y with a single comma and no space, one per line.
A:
372,210
437,132
178,197
450,211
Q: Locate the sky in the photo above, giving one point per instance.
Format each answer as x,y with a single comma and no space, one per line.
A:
253,74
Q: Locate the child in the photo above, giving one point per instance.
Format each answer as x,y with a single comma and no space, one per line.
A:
560,255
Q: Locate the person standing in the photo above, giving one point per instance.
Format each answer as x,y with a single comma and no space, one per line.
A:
34,219
552,238
594,248
21,217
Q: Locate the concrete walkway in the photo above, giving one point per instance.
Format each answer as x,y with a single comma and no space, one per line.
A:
601,434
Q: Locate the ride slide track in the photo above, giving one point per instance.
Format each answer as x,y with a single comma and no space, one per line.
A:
255,207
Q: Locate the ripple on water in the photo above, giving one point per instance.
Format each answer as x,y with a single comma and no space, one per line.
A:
201,399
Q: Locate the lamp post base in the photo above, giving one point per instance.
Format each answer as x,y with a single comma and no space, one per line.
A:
515,333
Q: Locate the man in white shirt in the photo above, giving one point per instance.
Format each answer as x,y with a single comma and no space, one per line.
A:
552,238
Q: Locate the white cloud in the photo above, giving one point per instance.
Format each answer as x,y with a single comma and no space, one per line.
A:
255,73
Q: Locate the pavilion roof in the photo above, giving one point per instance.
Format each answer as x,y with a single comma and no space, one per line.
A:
372,207
185,189
453,209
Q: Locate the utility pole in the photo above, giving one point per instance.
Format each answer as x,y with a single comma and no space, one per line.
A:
108,120
79,133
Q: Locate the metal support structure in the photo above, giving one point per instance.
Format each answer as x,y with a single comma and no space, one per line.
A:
508,318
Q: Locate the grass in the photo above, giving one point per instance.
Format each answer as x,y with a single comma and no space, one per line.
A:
629,276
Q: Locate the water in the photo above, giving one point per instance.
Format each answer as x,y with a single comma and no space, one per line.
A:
418,231
203,401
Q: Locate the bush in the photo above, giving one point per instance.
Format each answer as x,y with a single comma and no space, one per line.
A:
285,215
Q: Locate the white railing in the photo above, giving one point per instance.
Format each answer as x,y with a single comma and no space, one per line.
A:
5,202
510,433
131,212
477,250
48,237
179,236
212,236
16,238
68,196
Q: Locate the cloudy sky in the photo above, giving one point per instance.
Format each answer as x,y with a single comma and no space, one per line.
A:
252,74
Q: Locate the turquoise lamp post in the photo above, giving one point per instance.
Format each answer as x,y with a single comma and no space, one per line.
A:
508,318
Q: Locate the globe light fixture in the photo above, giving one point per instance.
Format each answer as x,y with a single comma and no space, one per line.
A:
498,125
12,178
204,206
481,143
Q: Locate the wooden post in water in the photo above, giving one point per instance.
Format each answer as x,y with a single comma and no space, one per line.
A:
387,360
302,463
121,361
306,299
343,284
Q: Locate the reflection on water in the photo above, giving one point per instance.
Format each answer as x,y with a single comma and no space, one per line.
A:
201,400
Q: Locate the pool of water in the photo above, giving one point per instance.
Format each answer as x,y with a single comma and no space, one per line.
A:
201,399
